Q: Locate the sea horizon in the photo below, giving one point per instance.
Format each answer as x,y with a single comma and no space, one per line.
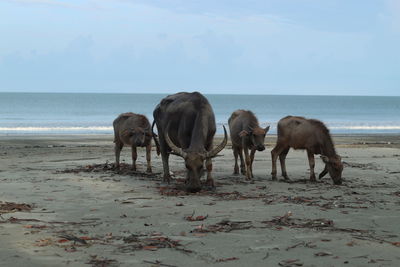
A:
163,93
92,113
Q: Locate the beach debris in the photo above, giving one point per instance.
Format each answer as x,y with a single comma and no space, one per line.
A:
288,221
223,226
351,243
397,193
88,222
17,220
35,226
74,238
124,169
96,261
322,254
321,201
366,166
63,242
227,259
197,218
290,262
158,263
235,195
7,207
179,190
296,245
137,242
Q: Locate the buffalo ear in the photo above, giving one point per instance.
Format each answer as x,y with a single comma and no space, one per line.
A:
325,159
266,129
243,133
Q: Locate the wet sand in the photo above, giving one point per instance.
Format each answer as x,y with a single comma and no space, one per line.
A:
81,212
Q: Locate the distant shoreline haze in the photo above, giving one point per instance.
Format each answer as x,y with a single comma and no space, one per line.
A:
93,113
206,94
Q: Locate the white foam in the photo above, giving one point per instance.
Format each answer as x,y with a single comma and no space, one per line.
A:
57,129
363,127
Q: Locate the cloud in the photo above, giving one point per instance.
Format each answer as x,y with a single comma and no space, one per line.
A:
393,9
83,5
43,3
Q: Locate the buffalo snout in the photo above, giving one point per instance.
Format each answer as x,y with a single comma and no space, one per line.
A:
193,188
260,147
337,182
138,143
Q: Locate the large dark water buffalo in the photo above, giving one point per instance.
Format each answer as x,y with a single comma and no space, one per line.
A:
246,134
186,127
132,130
311,135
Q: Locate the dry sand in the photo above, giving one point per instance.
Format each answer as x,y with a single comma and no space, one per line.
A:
127,219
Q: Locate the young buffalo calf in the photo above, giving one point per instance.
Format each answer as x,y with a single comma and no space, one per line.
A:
132,130
246,134
311,135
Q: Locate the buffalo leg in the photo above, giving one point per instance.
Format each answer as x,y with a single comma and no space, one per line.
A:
323,173
134,158
210,180
242,165
164,157
274,156
118,147
167,175
247,158
235,154
252,152
311,161
148,158
282,159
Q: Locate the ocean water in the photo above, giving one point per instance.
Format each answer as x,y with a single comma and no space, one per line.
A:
59,113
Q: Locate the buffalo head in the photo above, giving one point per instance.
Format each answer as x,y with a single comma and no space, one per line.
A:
137,136
257,136
194,161
334,166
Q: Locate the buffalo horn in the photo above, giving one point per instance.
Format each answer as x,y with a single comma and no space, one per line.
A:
177,150
221,146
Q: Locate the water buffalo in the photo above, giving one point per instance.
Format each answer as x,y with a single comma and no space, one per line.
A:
132,130
311,135
246,134
186,127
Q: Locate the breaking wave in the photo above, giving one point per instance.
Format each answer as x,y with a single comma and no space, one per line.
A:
334,128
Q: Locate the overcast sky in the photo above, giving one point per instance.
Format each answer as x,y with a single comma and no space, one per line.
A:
329,47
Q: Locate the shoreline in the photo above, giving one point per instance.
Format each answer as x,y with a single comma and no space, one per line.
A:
389,140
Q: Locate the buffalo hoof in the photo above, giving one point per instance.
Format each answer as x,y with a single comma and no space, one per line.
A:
149,171
337,182
210,182
313,179
193,189
167,179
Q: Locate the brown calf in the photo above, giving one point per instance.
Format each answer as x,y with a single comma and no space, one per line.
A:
132,130
246,134
311,135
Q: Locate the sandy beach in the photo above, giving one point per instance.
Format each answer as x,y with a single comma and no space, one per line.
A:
63,204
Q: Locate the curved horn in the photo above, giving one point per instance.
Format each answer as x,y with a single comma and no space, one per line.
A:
177,150
221,146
